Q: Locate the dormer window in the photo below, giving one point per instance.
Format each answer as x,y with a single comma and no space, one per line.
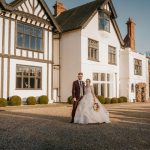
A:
104,22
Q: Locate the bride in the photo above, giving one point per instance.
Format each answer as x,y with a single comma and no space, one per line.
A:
90,110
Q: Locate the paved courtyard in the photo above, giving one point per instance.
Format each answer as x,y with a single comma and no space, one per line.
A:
47,127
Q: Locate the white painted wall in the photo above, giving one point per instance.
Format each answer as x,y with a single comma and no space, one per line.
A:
47,50
70,60
25,93
1,31
127,76
105,39
74,56
56,69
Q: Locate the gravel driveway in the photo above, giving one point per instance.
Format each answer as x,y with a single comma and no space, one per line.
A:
47,127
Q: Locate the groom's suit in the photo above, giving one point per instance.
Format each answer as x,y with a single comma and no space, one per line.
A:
77,92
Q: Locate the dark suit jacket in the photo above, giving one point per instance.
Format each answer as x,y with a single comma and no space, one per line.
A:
76,89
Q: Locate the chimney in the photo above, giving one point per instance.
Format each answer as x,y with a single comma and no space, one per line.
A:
130,37
58,8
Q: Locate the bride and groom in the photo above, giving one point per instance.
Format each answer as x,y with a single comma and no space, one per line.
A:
86,107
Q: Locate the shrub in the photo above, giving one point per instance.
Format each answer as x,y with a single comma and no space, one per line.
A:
3,102
114,100
43,99
14,101
70,100
120,100
107,100
125,99
31,100
101,99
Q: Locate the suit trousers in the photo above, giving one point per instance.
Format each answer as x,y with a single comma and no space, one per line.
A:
75,105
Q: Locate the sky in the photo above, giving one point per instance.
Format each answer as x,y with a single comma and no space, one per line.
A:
137,9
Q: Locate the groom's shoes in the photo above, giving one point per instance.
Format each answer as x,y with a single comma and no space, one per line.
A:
71,121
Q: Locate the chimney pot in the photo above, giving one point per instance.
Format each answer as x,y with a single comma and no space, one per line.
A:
58,8
130,37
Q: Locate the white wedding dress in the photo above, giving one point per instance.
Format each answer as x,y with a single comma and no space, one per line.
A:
85,114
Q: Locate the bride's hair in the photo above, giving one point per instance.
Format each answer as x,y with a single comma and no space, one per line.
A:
88,80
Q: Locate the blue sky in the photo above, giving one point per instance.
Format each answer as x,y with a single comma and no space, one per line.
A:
137,9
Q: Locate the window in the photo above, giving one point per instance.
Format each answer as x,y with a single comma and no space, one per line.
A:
102,83
104,22
29,37
95,88
93,50
102,89
28,77
95,76
102,76
137,67
132,88
108,77
112,55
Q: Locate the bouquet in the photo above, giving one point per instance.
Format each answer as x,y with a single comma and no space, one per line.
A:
96,107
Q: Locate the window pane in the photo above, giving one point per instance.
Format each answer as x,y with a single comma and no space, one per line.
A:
33,43
20,27
108,90
18,82
102,76
27,29
39,33
111,55
38,83
26,41
104,22
20,40
32,83
26,83
102,89
108,77
39,44
95,89
95,76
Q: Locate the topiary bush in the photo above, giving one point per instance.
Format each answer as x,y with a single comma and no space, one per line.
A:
125,99
43,99
31,100
107,100
70,100
114,100
120,100
3,102
14,101
101,99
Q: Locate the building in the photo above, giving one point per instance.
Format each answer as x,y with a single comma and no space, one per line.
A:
91,43
148,56
133,69
27,28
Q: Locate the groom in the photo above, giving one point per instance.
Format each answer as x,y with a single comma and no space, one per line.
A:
77,93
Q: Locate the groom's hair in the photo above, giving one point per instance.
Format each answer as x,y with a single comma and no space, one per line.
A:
80,73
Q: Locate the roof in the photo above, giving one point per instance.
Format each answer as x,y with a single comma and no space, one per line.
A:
79,17
12,6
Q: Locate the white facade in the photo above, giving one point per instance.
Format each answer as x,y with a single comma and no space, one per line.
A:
127,74
74,57
12,55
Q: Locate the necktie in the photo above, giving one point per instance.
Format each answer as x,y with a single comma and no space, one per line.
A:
81,89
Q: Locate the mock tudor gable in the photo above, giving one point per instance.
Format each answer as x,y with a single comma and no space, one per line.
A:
36,10
26,49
